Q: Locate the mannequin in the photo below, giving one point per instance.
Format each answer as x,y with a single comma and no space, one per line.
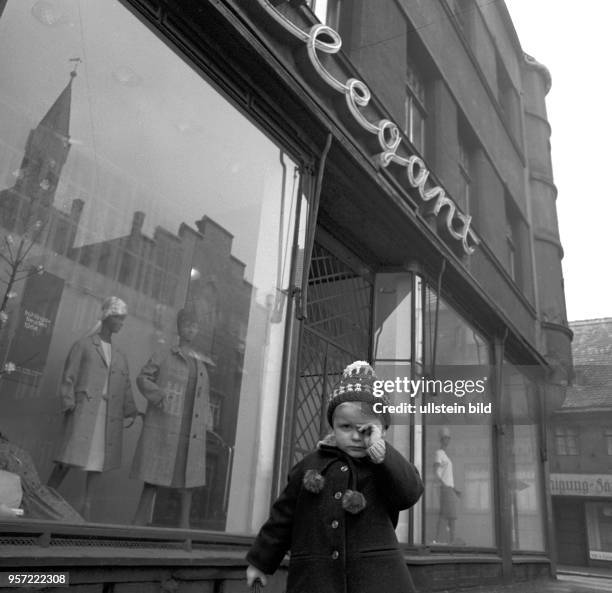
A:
38,501
443,469
96,395
171,451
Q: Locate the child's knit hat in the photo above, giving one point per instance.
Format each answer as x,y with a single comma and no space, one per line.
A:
356,385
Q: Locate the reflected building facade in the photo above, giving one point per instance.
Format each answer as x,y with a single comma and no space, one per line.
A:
580,442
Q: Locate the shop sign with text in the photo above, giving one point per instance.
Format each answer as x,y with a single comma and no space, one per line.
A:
322,39
581,484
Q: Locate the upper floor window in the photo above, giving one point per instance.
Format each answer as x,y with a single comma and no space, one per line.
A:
463,11
608,440
414,110
511,244
327,11
466,149
513,241
508,99
566,441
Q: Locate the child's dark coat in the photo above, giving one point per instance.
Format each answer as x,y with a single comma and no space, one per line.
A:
332,550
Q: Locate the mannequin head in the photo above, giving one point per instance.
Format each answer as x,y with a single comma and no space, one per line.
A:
187,325
113,323
445,437
114,312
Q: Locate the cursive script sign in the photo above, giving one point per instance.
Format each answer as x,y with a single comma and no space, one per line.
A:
322,39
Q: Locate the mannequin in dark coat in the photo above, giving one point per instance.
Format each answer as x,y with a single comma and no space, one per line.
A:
171,451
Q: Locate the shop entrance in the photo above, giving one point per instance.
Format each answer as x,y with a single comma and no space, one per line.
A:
336,332
569,518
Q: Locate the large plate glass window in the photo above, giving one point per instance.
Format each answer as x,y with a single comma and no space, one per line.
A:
397,357
146,237
521,430
458,457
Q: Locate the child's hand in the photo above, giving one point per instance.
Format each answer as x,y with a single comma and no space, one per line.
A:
252,574
372,433
374,440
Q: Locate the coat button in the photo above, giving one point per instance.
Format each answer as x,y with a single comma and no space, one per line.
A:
344,468
338,495
335,555
334,524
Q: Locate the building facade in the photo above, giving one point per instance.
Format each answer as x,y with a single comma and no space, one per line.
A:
581,443
319,182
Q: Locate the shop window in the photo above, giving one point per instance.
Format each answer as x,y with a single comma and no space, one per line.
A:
458,460
398,356
599,530
521,433
162,199
422,340
414,107
566,441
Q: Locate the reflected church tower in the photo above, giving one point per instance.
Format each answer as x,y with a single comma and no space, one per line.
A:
45,154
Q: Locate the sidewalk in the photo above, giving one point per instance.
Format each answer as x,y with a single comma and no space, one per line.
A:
601,572
566,583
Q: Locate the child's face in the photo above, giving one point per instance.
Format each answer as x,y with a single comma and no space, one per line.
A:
348,418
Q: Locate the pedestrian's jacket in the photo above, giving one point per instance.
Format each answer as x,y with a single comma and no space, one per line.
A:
335,548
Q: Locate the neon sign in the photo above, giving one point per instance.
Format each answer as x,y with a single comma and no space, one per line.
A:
323,39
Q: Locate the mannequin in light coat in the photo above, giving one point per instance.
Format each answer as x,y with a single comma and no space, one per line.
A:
96,396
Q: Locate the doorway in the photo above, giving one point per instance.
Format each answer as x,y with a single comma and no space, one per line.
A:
570,526
336,332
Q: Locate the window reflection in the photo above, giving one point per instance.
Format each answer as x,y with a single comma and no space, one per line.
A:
397,346
521,429
124,174
458,448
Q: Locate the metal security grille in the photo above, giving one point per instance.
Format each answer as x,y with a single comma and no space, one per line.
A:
336,332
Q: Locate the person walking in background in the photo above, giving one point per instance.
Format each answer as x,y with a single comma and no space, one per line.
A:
449,495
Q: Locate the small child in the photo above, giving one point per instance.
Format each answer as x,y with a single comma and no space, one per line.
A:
338,512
